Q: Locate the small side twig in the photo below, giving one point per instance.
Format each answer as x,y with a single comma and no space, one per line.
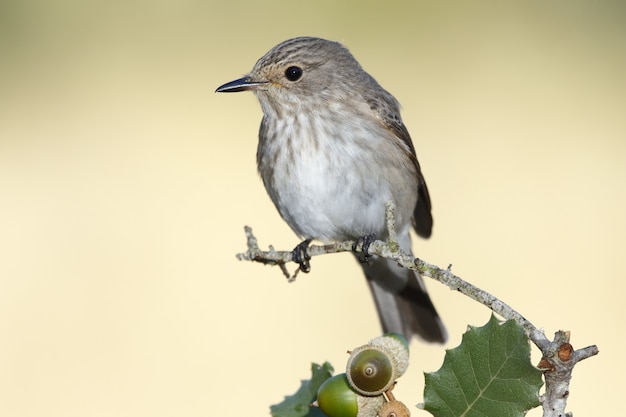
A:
559,357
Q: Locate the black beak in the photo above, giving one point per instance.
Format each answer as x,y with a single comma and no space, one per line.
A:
242,84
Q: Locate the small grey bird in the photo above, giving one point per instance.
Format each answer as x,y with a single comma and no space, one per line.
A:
332,150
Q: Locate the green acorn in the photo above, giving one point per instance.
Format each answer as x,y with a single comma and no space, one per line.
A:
373,368
336,398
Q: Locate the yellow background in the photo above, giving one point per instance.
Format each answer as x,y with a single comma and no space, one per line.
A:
125,183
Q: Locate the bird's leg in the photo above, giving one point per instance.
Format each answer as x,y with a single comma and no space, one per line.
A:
300,255
365,242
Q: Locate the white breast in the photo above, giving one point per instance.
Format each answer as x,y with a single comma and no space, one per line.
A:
330,177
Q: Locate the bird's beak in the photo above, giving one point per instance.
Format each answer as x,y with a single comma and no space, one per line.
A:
242,84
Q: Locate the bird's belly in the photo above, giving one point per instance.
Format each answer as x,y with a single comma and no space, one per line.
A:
330,177
332,208
340,195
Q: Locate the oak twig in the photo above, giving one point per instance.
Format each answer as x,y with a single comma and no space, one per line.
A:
559,357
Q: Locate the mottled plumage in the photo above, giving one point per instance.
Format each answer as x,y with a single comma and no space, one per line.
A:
332,150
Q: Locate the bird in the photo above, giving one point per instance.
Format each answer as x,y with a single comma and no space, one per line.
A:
332,150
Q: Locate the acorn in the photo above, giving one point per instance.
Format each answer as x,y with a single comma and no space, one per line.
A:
336,398
373,368
394,409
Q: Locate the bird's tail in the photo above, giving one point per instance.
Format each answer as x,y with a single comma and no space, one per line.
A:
403,304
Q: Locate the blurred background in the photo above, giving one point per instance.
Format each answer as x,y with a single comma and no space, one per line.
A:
125,183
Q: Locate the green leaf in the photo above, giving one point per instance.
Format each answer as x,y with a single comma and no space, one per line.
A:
488,375
299,404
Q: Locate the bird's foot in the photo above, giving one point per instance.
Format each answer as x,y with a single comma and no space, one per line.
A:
300,255
364,242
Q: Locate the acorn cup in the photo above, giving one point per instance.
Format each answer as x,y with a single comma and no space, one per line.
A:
394,408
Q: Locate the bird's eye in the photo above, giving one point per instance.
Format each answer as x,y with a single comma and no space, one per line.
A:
293,73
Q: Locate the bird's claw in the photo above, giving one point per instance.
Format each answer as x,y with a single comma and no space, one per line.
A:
364,242
300,255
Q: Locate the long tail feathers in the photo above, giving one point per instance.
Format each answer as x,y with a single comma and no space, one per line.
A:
402,301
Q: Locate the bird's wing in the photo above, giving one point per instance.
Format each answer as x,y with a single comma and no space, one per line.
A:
387,111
